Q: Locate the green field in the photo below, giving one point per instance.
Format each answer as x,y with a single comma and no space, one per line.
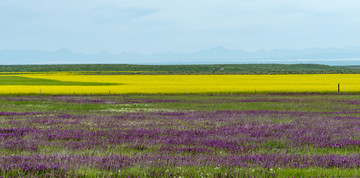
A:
193,135
188,69
176,135
17,80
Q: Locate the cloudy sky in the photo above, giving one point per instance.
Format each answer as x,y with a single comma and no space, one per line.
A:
151,26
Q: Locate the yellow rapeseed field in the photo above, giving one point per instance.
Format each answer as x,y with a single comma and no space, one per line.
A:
188,83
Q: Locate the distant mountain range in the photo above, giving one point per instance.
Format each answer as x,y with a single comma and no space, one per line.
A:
217,55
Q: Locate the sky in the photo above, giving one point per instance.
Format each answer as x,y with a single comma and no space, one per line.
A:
157,26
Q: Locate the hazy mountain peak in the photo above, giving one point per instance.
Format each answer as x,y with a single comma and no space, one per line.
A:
215,55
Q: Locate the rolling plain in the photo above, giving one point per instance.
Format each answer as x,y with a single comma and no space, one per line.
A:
86,124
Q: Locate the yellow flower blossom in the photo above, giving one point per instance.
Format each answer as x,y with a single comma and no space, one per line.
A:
147,84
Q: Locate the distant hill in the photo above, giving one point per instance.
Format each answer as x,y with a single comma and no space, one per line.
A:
217,55
187,69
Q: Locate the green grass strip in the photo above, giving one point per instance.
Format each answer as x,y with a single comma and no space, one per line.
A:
17,80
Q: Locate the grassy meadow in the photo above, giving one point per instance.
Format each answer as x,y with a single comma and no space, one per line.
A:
129,69
142,123
208,135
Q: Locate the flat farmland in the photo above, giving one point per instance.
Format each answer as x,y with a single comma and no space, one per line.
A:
80,83
199,135
123,124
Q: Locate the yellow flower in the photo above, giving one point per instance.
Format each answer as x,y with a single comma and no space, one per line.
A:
147,84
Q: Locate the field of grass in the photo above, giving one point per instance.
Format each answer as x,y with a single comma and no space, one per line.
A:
79,83
18,80
128,69
104,123
199,135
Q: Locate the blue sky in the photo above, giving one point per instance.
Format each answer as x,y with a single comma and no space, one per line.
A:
152,26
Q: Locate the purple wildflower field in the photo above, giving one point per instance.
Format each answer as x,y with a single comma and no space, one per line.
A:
180,135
